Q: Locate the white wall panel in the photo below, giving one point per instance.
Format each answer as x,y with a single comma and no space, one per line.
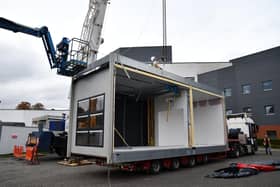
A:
171,127
209,125
92,85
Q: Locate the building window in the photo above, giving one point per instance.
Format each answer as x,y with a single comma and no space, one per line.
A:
227,92
271,134
267,85
246,89
228,111
247,109
90,121
269,109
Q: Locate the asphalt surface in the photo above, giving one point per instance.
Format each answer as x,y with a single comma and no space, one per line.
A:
49,173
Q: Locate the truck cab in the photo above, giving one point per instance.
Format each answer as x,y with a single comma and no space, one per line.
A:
242,134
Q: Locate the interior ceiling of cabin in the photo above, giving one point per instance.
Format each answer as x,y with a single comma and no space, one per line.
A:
134,84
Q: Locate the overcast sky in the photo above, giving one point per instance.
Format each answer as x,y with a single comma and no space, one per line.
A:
198,30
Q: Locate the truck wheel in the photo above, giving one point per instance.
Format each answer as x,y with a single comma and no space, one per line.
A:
155,167
252,150
192,162
236,153
205,159
175,164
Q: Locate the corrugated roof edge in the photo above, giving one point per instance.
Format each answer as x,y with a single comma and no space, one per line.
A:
116,58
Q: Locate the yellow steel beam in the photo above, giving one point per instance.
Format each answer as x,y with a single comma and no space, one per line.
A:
166,80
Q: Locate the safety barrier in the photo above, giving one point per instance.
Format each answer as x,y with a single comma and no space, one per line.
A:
18,151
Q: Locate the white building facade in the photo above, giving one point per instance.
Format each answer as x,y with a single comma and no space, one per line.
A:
26,116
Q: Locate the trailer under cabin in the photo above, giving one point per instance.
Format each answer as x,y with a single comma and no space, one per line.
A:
123,111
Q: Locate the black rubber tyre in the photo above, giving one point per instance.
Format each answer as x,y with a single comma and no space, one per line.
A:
192,162
252,150
205,159
236,153
175,164
155,167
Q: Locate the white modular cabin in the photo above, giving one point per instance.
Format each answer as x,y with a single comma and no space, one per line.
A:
126,111
11,135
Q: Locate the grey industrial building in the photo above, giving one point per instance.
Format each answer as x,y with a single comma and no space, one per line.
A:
251,85
144,54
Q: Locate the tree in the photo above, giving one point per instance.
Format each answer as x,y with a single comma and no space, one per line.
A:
38,106
24,105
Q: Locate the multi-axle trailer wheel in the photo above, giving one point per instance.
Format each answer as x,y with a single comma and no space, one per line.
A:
155,166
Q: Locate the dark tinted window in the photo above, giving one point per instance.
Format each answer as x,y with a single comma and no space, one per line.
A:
246,89
247,109
267,85
269,109
96,104
90,121
228,92
83,107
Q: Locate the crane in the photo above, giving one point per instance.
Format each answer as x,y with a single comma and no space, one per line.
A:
66,58
67,63
92,27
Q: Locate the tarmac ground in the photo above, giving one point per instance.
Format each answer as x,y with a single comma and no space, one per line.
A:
18,173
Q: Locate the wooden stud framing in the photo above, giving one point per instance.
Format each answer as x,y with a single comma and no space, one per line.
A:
191,134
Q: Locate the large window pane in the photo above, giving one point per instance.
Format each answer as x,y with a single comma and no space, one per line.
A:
96,121
247,109
96,138
90,121
269,109
227,92
228,111
82,122
97,104
267,85
246,89
83,107
82,138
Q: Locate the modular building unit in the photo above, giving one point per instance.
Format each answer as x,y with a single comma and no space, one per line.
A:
124,111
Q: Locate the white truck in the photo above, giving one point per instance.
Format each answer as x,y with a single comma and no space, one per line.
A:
242,134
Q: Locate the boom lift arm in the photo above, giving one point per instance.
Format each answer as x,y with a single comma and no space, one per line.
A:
92,27
57,59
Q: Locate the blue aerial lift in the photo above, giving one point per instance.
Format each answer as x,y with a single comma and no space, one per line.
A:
68,62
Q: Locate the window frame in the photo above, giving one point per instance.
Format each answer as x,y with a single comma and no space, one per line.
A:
245,109
227,92
88,130
263,86
227,110
268,114
242,89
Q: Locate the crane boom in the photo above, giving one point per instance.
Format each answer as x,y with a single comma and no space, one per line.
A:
92,27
